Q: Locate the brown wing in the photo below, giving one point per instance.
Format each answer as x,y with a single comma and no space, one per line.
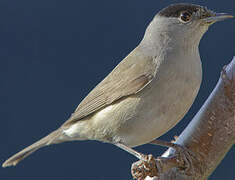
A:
129,77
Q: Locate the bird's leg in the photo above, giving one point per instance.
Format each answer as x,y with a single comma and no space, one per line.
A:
166,144
140,156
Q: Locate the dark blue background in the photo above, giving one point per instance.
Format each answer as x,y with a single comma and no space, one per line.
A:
53,52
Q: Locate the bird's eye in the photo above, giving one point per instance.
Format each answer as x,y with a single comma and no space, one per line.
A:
185,16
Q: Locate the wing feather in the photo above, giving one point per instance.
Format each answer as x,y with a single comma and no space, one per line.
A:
129,77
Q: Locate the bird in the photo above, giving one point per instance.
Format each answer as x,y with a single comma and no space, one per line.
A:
148,92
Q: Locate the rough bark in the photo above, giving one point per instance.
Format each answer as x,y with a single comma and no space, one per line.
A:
207,138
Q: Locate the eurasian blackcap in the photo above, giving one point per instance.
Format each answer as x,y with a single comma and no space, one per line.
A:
148,92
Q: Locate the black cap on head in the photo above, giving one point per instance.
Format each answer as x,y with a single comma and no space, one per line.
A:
175,9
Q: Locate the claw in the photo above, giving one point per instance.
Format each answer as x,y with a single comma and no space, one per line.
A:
186,156
143,168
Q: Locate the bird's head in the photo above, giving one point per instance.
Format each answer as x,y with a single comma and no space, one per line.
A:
183,22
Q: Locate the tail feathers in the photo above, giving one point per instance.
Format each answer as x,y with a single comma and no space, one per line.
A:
52,138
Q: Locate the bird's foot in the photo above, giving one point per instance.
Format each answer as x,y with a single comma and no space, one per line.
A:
143,168
146,166
183,155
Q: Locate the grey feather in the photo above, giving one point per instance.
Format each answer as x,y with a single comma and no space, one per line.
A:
129,77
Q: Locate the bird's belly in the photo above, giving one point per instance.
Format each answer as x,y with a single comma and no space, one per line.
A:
160,108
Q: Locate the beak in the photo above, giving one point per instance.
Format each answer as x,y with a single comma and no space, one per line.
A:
217,17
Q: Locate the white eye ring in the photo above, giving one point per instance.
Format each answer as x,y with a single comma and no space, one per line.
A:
185,16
